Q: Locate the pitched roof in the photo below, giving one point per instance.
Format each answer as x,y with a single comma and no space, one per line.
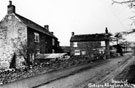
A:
34,25
89,37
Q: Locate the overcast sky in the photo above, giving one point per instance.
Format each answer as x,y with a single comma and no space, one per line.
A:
79,16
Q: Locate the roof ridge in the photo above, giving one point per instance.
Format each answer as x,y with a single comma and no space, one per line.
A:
89,34
34,25
28,19
89,37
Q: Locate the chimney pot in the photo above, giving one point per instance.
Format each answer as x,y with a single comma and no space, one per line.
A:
106,30
73,33
46,27
10,2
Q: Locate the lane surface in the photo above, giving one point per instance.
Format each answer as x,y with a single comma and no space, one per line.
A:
98,74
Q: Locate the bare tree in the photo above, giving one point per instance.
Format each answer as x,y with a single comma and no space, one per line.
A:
23,50
131,4
123,2
119,36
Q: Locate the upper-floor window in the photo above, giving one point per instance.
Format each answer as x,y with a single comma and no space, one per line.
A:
36,37
75,44
53,42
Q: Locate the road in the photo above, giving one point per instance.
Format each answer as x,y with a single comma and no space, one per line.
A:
77,76
103,73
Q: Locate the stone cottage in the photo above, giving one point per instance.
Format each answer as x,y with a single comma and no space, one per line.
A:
22,36
88,44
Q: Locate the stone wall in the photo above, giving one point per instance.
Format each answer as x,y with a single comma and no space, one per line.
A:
12,33
45,44
85,48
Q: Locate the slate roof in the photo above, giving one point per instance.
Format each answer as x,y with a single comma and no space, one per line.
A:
89,37
34,25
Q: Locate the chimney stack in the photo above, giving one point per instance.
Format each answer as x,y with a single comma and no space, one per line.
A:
73,33
46,27
106,30
52,33
10,8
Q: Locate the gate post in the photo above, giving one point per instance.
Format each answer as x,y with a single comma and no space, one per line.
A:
107,45
107,49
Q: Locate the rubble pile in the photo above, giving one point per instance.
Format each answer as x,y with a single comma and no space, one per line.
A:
10,76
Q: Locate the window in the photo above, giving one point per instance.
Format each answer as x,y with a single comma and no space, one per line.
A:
38,51
75,44
77,52
102,43
53,42
83,52
36,37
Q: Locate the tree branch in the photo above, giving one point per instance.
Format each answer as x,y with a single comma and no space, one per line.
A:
122,2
